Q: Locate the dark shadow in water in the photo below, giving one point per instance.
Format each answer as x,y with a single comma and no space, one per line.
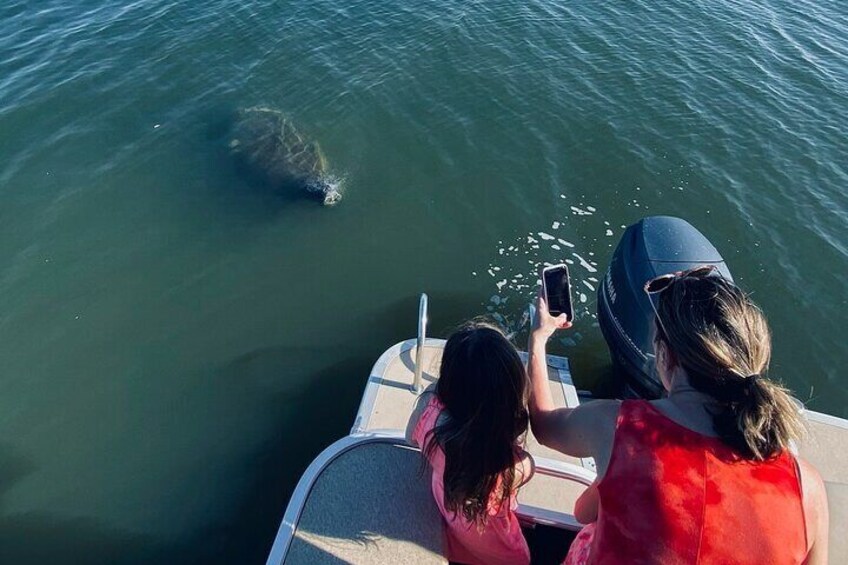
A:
305,417
310,418
399,319
36,537
307,420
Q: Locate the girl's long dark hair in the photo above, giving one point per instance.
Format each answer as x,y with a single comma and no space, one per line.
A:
484,388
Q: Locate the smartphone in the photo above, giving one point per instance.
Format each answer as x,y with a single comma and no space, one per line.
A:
557,287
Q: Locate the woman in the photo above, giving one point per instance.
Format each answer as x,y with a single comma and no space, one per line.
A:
471,425
706,474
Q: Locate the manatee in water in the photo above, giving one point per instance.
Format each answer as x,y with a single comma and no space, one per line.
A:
267,143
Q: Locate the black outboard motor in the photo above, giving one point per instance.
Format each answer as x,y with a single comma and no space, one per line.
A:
654,246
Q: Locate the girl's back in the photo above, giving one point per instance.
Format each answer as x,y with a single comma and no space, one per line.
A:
501,540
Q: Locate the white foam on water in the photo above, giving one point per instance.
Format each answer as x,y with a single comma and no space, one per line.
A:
518,281
585,264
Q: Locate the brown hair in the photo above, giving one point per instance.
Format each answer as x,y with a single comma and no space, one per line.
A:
484,388
722,340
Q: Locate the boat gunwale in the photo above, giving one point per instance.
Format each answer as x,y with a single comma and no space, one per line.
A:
823,418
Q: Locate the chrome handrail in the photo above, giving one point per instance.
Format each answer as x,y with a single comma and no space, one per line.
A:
417,387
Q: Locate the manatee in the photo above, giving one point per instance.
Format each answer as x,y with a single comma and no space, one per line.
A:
268,144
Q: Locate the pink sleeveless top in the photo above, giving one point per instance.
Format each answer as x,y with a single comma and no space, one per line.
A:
500,542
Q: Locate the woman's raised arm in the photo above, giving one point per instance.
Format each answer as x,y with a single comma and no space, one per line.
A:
585,431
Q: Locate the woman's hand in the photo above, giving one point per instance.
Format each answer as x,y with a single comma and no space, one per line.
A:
545,325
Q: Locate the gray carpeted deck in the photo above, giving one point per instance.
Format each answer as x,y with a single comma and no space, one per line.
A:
370,505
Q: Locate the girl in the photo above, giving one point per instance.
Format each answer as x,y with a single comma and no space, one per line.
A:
470,426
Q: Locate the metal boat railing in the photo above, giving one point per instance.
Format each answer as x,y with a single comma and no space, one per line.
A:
417,387
563,470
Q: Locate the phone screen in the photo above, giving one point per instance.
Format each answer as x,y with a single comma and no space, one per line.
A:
558,291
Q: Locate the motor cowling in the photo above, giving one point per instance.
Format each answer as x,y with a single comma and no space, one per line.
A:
654,246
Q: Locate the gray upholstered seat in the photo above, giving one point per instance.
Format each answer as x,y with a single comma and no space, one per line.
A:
370,505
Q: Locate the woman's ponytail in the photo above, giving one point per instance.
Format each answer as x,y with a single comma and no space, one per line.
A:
761,419
723,342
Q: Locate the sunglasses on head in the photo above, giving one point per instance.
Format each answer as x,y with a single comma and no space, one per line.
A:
658,284
662,282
